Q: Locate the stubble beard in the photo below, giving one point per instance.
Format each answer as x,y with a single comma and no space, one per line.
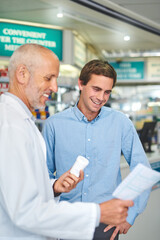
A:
33,95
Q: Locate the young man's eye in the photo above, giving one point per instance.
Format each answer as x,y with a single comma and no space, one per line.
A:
108,91
96,89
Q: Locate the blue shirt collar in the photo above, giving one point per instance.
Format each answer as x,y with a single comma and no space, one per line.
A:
22,104
82,117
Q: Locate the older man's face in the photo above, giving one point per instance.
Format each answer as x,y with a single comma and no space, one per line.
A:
43,81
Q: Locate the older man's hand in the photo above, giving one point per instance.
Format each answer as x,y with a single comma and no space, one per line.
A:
66,182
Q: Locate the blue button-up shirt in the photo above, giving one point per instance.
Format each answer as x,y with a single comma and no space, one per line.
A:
69,134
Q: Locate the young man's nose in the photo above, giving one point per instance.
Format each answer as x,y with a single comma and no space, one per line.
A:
100,96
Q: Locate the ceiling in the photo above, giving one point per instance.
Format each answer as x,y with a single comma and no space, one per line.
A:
96,24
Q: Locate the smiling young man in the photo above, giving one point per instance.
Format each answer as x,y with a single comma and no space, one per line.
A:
100,134
95,93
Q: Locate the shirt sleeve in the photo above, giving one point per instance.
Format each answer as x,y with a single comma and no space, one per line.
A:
98,215
134,153
48,134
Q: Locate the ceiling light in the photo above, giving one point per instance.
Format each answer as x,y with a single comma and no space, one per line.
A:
126,38
60,14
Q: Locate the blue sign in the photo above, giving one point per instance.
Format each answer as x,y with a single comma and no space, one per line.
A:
129,70
14,35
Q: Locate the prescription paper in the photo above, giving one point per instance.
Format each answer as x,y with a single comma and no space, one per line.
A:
140,179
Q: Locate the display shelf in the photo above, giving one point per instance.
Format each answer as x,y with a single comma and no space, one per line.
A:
4,80
4,84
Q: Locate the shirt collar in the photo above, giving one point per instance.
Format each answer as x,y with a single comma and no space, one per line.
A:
82,117
22,104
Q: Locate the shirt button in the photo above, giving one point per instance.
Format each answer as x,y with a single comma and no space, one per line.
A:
88,157
84,193
87,175
89,139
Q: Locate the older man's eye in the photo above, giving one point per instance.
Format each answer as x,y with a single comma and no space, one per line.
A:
48,78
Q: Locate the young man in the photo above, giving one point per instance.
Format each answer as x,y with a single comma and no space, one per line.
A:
28,209
100,134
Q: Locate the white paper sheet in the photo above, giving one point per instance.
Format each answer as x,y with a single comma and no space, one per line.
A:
140,179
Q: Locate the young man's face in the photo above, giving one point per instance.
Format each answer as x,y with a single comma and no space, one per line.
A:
95,94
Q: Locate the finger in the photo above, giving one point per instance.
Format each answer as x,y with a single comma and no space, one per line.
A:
128,203
66,185
121,230
73,177
121,219
66,174
108,228
81,176
114,234
70,181
123,211
125,231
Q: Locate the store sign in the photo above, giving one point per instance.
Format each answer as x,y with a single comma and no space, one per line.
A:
14,35
129,70
153,69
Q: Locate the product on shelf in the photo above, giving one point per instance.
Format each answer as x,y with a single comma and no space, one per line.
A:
41,114
3,87
3,79
3,72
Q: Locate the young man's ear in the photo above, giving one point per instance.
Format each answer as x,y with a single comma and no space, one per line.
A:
80,85
22,74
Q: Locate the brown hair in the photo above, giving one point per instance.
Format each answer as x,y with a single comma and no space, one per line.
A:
97,67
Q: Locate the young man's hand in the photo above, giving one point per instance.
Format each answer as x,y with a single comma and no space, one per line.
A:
121,229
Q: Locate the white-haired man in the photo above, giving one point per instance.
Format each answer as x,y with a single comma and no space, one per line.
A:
28,209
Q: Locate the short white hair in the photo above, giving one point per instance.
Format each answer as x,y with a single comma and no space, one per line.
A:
25,54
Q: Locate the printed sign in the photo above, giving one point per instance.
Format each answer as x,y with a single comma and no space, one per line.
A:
14,35
153,68
129,70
